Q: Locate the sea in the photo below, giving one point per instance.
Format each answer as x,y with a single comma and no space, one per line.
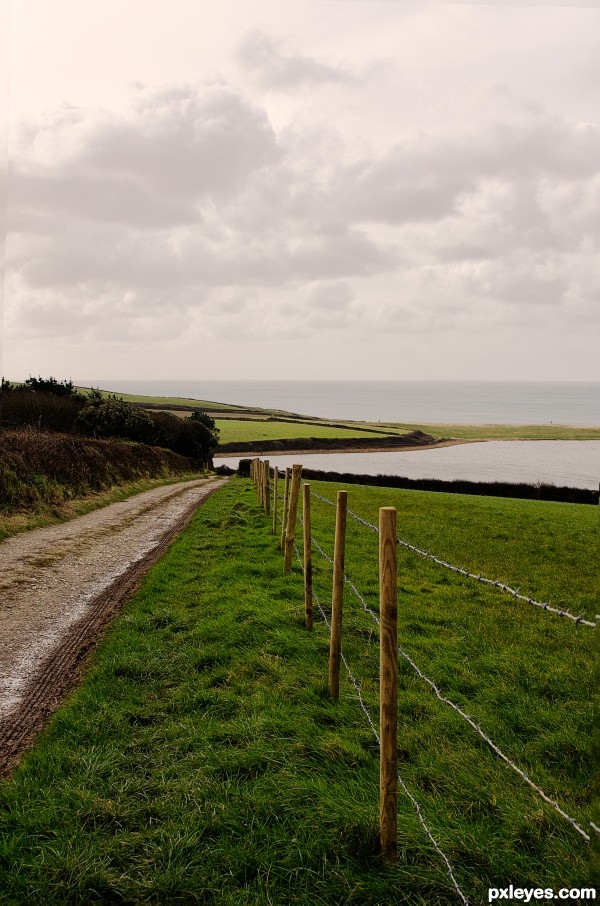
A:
423,402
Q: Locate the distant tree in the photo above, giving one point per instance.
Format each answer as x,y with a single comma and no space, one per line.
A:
203,418
102,417
51,385
6,386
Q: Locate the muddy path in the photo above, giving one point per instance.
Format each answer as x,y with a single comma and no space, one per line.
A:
61,586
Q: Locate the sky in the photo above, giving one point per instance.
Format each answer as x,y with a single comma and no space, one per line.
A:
301,189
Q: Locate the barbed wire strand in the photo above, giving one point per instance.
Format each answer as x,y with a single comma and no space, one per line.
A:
501,586
371,723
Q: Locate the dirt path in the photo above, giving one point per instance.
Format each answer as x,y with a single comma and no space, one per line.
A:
60,587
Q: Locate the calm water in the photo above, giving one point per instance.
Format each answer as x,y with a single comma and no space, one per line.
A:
458,402
575,464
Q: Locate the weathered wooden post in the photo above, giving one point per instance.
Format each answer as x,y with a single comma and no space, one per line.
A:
308,589
284,515
267,489
275,483
388,684
292,516
335,642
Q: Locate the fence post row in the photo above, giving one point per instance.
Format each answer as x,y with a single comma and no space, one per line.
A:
308,589
335,643
388,684
292,516
284,515
388,610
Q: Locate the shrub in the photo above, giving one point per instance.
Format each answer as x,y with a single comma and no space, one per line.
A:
54,412
51,385
101,417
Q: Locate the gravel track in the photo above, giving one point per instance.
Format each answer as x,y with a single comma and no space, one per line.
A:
59,589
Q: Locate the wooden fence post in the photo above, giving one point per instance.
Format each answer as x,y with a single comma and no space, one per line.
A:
308,589
335,643
275,483
267,488
388,684
284,515
292,516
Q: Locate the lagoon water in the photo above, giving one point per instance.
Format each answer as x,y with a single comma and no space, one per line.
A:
570,463
418,402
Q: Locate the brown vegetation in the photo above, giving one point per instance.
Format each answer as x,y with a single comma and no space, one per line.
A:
46,468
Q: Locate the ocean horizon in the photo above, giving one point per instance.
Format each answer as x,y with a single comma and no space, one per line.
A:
574,403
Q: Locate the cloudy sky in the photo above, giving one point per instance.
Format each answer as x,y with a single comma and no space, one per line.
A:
303,189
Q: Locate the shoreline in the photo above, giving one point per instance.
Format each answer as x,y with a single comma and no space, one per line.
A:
253,454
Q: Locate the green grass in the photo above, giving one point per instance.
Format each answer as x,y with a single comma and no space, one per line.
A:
505,432
235,430
201,761
168,400
25,521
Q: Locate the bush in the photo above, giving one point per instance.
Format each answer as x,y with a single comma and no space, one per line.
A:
184,436
51,385
54,412
111,417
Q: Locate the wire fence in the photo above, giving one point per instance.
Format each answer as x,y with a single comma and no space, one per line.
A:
347,581
501,586
524,776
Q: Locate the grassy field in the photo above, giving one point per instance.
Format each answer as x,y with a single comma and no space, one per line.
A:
201,761
167,401
505,432
235,430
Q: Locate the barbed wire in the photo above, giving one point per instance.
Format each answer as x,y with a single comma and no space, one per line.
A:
371,723
501,586
524,776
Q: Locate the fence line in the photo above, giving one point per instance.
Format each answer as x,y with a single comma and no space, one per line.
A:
371,723
501,586
524,776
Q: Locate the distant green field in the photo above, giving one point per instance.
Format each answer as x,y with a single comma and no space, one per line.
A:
234,430
503,432
167,401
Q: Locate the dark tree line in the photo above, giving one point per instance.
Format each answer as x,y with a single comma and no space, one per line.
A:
51,405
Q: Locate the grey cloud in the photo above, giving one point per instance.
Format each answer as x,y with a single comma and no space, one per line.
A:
333,296
264,56
180,149
426,175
